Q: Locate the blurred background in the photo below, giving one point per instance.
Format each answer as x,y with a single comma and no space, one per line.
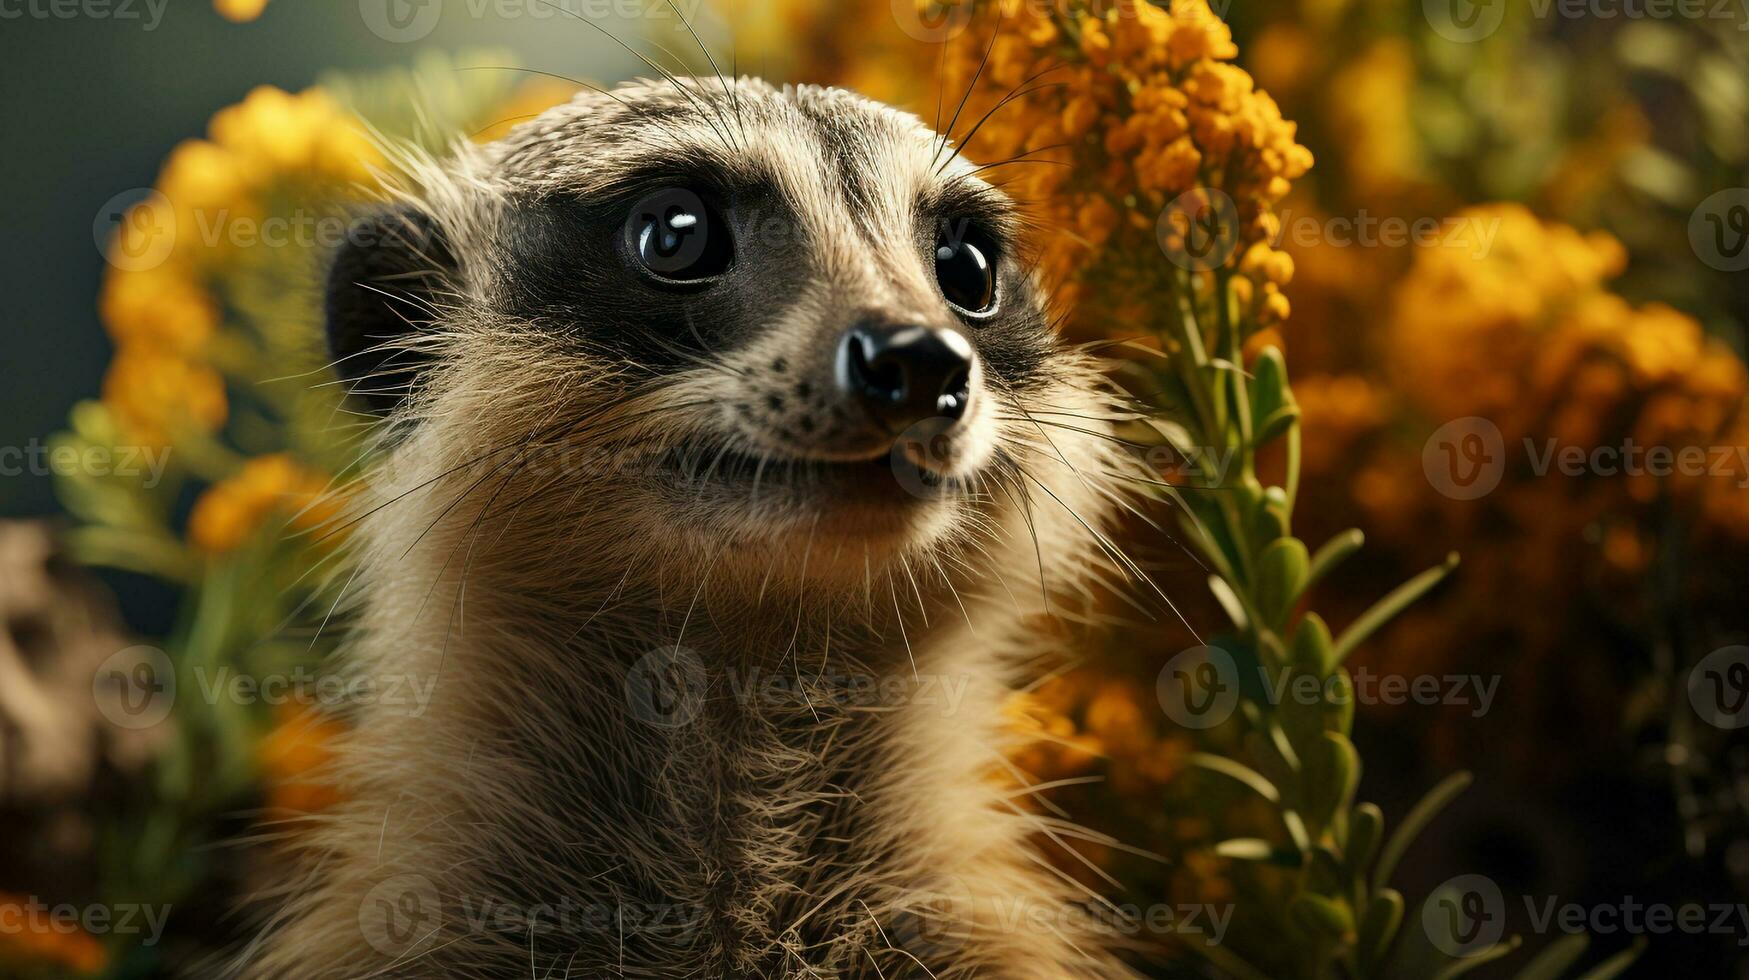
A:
1526,230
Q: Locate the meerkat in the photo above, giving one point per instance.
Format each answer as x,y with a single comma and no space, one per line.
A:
728,463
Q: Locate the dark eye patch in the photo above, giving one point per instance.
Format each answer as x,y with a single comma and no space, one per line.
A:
570,265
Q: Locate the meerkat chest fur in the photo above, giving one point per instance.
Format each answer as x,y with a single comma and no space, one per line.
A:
727,464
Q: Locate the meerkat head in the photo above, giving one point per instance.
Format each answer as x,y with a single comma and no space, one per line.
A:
739,323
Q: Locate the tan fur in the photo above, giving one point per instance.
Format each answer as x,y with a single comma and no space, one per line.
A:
795,836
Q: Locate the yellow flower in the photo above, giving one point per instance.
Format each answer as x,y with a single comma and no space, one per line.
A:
152,392
240,11
161,308
1147,108
230,511
1530,337
275,133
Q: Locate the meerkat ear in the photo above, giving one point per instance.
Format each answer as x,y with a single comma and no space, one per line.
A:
382,290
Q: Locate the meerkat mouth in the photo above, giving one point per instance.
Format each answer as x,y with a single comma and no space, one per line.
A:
891,476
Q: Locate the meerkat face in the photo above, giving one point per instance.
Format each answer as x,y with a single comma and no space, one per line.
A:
744,315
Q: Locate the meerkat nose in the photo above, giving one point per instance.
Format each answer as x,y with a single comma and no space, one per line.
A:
903,374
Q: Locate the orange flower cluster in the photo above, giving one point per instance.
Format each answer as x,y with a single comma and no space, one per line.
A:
1161,131
157,301
1071,723
1530,338
230,511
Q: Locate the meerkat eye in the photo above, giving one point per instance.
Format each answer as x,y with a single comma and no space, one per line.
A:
965,266
679,239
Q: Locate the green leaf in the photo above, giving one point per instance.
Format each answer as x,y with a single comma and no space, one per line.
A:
1270,520
1378,928
1236,771
1230,603
1554,961
1339,702
1276,424
1246,849
1332,553
1281,751
1312,649
1366,826
1281,575
1322,916
1437,799
1296,830
1387,608
1269,387
1489,955
1302,708
1254,849
1618,964
1332,773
